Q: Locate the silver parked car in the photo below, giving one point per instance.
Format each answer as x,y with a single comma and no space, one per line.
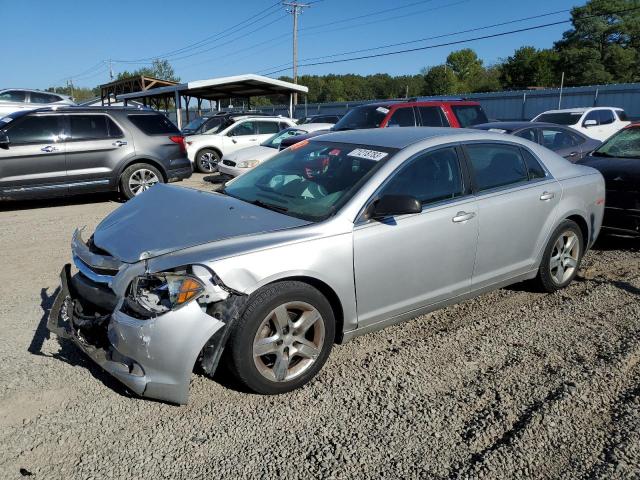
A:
332,238
19,99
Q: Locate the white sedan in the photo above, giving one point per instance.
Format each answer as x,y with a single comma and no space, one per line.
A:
243,160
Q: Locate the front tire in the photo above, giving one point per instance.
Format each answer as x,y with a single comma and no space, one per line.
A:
207,160
139,178
282,339
561,258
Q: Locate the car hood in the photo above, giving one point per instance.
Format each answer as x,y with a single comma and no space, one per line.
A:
257,152
167,218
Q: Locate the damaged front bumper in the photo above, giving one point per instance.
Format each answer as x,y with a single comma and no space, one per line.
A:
153,357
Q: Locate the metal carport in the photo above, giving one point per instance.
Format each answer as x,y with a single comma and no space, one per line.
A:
215,89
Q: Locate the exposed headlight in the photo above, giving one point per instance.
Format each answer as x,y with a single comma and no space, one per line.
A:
157,293
248,163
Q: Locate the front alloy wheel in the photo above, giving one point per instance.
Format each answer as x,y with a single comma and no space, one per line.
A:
207,161
282,339
288,341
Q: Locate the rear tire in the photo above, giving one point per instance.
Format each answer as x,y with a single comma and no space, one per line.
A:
138,178
207,160
561,258
282,339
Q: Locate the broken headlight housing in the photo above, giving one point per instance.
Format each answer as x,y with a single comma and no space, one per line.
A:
157,293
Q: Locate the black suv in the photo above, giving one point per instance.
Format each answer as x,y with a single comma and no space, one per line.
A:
69,150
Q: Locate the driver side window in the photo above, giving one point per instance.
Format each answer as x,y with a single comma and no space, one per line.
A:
431,177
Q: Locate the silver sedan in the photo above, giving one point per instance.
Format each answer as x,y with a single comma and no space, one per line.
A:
332,238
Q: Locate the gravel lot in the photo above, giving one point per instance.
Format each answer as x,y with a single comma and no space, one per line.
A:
513,384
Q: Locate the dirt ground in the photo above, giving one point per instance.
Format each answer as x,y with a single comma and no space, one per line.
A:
512,384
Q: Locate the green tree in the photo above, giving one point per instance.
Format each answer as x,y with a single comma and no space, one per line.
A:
530,67
602,46
440,80
465,64
79,94
160,69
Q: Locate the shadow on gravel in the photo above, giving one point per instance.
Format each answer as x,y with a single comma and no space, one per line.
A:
607,242
88,199
68,352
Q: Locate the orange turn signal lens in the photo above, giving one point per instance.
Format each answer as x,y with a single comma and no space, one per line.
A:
188,289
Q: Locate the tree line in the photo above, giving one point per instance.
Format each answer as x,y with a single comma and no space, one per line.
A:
602,46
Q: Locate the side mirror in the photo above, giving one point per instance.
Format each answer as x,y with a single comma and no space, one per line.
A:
590,123
392,205
4,140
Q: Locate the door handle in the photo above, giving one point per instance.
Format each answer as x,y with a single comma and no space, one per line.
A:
463,217
547,196
253,139
49,149
119,143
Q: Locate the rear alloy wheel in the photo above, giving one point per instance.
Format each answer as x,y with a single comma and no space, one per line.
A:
283,338
562,257
207,160
139,178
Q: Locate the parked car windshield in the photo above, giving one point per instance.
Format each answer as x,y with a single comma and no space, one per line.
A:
194,125
366,116
560,118
310,180
276,140
624,144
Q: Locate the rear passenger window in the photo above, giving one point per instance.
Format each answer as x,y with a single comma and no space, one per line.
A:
533,166
154,124
268,128
622,115
432,117
527,134
88,127
43,98
496,165
431,177
402,117
114,130
557,138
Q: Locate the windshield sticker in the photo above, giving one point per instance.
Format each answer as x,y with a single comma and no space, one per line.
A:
382,110
497,130
6,119
334,152
368,154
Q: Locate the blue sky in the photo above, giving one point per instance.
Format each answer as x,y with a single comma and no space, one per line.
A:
74,37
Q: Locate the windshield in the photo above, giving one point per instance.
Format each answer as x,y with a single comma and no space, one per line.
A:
194,125
560,118
367,116
624,144
276,140
469,115
310,180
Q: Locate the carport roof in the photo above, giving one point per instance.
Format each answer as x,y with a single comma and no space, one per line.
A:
249,85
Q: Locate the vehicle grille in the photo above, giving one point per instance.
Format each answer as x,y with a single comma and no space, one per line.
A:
229,163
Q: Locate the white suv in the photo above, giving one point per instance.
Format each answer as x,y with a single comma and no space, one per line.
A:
16,99
206,150
597,122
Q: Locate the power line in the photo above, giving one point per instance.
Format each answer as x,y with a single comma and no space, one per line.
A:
428,47
444,35
208,39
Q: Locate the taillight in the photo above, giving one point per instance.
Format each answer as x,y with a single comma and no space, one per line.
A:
179,139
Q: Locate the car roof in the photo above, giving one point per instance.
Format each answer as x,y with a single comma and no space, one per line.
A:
400,137
579,109
81,108
516,125
421,101
312,127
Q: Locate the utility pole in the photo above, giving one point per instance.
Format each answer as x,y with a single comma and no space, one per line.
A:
295,9
110,70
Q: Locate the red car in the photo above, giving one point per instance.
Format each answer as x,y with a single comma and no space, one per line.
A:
456,113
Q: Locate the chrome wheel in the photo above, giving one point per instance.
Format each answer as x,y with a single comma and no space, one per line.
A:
288,341
564,257
208,162
142,180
